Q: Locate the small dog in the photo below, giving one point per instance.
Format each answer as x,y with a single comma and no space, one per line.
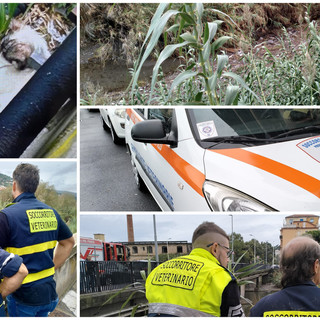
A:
20,43
16,47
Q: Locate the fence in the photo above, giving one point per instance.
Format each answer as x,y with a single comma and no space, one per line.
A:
98,276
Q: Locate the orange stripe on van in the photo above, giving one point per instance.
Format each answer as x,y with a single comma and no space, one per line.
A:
133,116
283,171
185,170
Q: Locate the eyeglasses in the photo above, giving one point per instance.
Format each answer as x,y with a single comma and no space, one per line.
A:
229,251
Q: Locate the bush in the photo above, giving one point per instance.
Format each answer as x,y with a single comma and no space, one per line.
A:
292,78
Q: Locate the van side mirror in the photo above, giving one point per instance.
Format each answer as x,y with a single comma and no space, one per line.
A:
152,131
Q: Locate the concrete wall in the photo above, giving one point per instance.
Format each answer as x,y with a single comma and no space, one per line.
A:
101,304
66,276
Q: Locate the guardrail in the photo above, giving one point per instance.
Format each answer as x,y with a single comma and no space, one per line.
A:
66,276
98,276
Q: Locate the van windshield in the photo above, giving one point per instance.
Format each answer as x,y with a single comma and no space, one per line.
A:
217,127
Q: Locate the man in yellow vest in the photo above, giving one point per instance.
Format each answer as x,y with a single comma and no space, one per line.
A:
197,284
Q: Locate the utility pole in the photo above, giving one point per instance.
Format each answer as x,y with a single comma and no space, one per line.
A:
232,239
155,238
254,248
168,248
266,252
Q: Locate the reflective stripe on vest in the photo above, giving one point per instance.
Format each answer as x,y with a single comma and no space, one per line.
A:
39,247
291,314
175,310
36,248
39,275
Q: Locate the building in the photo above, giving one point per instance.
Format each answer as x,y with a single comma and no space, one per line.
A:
143,250
296,225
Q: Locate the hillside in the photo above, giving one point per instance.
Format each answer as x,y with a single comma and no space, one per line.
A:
5,180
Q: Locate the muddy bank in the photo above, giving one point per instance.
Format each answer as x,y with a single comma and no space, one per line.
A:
116,76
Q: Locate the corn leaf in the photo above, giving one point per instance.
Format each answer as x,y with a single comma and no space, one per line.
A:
219,43
241,82
222,61
199,9
187,18
158,27
188,37
213,81
232,94
210,31
174,28
164,55
181,78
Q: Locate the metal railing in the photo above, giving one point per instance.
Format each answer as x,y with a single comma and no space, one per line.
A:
98,276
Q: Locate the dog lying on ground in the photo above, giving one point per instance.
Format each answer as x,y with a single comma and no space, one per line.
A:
16,47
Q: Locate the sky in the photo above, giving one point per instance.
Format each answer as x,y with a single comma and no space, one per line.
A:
61,174
180,227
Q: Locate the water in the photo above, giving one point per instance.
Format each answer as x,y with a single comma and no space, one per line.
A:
254,297
116,77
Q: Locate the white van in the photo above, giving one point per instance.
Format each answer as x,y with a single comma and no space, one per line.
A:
227,159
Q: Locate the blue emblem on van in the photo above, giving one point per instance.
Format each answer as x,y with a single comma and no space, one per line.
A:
154,179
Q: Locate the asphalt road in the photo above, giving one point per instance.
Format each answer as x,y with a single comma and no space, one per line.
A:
106,178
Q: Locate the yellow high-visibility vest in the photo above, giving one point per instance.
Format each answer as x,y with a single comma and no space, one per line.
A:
188,286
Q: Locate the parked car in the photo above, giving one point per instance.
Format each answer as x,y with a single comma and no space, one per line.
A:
113,120
227,159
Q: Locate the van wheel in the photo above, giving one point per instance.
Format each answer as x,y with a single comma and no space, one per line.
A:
137,178
115,138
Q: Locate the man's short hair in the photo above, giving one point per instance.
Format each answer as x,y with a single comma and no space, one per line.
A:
27,177
297,265
207,227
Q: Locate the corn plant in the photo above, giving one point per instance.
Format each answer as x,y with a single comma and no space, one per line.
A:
6,14
190,32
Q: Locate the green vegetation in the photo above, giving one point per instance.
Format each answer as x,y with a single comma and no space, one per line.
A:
289,78
314,234
201,37
6,14
65,203
205,68
262,248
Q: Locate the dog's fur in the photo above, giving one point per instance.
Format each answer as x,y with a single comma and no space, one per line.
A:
16,47
19,44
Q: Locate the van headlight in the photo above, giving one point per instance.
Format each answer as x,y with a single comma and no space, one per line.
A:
222,198
120,112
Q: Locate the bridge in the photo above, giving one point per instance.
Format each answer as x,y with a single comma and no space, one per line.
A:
256,279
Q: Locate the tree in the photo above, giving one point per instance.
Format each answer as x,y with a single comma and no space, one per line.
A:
315,234
5,196
239,248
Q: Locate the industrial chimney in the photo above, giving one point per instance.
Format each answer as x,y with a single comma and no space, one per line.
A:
130,228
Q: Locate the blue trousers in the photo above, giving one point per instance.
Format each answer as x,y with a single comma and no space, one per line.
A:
17,309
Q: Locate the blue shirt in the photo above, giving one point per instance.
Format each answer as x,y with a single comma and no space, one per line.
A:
298,297
16,232
9,266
